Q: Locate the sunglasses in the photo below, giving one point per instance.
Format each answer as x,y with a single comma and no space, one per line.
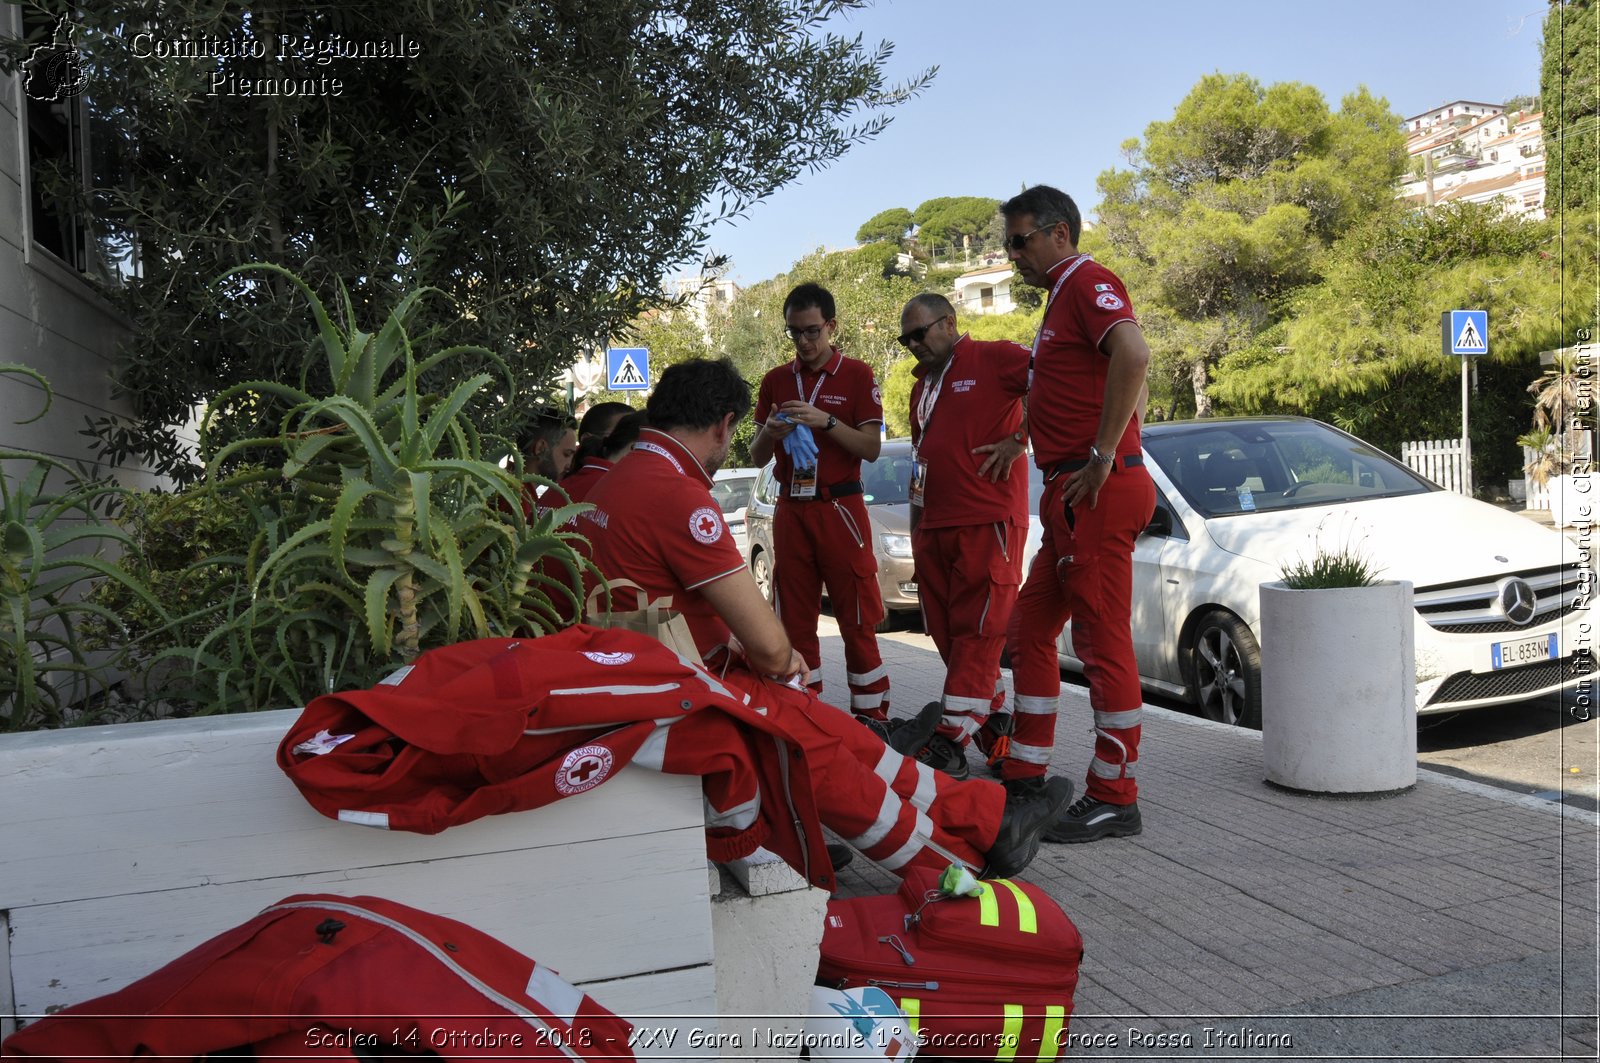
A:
1020,240
916,334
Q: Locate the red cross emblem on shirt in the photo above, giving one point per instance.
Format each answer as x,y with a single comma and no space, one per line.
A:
583,769
708,526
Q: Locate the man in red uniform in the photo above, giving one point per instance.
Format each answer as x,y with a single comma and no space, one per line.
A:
967,530
655,523
820,532
1088,387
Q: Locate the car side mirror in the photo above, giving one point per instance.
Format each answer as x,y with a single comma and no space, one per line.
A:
1160,522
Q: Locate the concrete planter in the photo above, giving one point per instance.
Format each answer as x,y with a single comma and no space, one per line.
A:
1338,688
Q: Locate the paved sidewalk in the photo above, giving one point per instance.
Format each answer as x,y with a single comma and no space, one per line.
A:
1455,921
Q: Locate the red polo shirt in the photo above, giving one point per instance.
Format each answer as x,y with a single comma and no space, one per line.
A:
1069,368
845,389
580,482
979,401
655,523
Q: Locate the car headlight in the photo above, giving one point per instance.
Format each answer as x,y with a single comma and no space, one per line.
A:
896,545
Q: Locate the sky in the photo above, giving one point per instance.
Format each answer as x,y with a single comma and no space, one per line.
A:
1045,92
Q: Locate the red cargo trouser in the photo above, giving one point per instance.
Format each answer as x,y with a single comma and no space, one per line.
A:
899,813
830,542
1082,572
967,578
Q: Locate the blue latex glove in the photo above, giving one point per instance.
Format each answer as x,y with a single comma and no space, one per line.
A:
802,447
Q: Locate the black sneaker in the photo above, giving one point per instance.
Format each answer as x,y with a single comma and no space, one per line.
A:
946,755
907,736
1032,805
1090,818
840,855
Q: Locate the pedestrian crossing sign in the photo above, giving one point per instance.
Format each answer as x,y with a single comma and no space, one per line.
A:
1465,332
628,368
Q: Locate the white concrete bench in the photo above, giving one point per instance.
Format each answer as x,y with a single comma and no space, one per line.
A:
123,847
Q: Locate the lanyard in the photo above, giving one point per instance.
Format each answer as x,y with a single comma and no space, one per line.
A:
1054,291
800,389
931,390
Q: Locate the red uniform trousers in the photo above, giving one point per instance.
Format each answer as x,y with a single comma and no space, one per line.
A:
897,812
1082,572
830,542
967,578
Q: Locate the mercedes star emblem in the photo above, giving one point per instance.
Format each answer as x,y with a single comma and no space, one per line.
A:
1517,601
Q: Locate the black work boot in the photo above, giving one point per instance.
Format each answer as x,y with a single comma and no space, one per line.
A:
1032,806
946,755
906,737
1090,819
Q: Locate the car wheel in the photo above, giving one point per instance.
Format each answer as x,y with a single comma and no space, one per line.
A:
761,569
1225,670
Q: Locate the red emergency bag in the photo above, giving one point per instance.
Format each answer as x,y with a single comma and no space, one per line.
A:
342,977
990,976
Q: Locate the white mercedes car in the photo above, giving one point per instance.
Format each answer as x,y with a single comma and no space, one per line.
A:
1499,599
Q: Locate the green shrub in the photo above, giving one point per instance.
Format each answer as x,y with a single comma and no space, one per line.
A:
382,525
52,549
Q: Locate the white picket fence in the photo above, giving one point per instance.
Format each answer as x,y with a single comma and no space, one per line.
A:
1538,495
1439,460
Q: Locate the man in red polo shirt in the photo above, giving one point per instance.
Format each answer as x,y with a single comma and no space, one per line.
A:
655,523
967,530
820,532
1088,389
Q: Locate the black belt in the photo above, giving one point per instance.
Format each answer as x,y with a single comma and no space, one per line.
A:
828,494
1125,461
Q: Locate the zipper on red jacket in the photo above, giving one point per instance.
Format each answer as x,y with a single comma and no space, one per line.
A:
794,813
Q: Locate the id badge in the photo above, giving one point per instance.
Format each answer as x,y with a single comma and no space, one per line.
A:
803,482
919,482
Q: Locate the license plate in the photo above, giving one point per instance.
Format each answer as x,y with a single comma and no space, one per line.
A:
1523,651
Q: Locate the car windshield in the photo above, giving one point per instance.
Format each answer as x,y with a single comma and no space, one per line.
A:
733,495
1248,466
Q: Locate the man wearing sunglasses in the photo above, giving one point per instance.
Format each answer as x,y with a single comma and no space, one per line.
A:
1087,392
967,528
820,531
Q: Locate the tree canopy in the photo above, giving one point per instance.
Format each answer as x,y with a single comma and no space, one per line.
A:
1569,88
1227,207
542,164
945,220
891,224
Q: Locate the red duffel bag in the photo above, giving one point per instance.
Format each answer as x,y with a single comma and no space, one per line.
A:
341,977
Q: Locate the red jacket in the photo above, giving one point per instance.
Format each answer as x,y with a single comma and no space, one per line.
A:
505,725
348,977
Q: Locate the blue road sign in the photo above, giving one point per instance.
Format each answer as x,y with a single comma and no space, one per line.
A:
628,368
1465,332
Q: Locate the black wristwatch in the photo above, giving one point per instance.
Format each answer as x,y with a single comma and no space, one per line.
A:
832,420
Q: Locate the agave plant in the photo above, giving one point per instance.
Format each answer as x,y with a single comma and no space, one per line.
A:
385,531
53,546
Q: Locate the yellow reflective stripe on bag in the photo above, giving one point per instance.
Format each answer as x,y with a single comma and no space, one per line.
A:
913,1009
1027,915
989,904
1050,1046
1010,1034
